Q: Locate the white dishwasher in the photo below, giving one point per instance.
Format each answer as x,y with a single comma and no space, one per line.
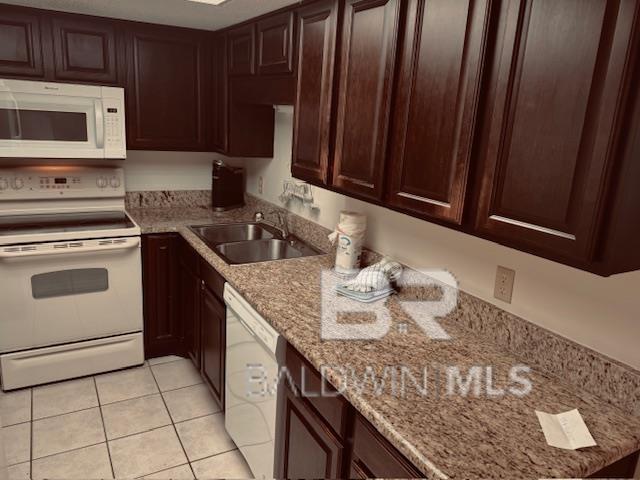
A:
251,383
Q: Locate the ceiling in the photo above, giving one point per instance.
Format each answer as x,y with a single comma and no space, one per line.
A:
183,13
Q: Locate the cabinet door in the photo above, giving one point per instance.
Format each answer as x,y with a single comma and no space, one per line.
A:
166,99
316,31
84,49
20,44
436,105
212,315
189,312
366,80
310,450
374,457
162,330
275,44
241,50
219,94
555,99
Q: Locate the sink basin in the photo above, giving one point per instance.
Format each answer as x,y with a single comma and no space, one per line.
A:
264,250
232,232
251,242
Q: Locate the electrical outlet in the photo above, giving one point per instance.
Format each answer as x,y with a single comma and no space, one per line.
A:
504,284
260,184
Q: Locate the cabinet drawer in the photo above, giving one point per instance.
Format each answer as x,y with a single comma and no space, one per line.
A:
212,279
330,405
374,456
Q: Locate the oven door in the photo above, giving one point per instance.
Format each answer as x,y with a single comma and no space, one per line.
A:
55,293
49,125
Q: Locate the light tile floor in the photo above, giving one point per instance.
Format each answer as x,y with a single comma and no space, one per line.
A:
155,421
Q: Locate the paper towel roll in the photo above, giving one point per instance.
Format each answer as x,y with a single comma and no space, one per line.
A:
349,235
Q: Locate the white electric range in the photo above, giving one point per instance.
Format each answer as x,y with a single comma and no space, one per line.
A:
70,275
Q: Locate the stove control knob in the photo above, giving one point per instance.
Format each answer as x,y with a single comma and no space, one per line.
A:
101,182
3,184
115,182
18,183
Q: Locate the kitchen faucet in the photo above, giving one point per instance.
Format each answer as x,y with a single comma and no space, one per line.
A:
281,224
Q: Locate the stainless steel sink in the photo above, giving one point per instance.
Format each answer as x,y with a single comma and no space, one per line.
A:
264,250
251,242
233,232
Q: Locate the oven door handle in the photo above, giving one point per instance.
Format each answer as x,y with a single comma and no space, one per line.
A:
123,244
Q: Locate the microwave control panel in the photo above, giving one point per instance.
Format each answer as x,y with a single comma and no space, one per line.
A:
114,134
74,182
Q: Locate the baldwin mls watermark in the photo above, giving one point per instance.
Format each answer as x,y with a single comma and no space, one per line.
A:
426,310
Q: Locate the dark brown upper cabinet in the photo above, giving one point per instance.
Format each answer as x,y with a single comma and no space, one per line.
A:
556,96
315,64
20,43
241,50
219,94
368,51
439,77
167,96
275,44
84,50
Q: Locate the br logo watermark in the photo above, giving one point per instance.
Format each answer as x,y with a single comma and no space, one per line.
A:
423,312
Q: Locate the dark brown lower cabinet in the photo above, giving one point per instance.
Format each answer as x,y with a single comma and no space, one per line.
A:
212,317
189,301
184,311
162,328
320,435
310,449
373,456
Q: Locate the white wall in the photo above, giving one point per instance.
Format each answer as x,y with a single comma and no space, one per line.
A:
146,170
602,313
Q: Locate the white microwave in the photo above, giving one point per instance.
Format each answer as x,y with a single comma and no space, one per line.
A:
60,120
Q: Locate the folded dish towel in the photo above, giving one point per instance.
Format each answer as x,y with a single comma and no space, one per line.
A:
376,277
372,283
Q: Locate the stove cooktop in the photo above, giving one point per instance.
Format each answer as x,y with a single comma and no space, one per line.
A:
63,223
39,228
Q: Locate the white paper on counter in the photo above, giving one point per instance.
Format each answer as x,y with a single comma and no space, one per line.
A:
565,430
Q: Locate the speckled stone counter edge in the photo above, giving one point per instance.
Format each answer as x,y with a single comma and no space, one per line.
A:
586,369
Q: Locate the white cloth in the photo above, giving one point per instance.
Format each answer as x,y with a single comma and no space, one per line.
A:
375,278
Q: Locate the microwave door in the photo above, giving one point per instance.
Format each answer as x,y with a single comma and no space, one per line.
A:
48,126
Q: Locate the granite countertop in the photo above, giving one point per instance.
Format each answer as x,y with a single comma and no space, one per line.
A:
445,436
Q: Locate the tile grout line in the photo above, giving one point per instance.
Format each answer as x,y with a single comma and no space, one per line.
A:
189,463
163,470
196,418
163,363
104,427
65,413
216,454
172,423
69,451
